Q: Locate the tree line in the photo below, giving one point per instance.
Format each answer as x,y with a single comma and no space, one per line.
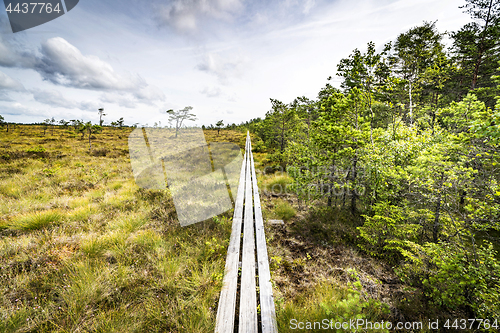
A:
411,143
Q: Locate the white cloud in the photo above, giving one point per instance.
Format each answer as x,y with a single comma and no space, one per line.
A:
150,94
211,92
308,5
120,100
89,105
185,15
223,68
53,98
63,64
20,109
8,83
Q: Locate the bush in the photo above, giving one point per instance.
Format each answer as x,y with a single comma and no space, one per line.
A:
99,152
284,210
37,149
458,280
277,184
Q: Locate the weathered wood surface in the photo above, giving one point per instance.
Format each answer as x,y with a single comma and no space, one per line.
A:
248,293
267,310
227,300
247,211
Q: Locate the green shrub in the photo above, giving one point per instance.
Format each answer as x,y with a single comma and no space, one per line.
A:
458,280
37,149
277,184
333,303
284,210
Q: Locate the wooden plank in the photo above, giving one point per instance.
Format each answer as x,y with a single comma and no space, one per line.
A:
227,301
267,310
248,294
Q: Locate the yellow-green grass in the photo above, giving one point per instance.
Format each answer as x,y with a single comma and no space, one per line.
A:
277,184
334,302
35,220
284,210
82,248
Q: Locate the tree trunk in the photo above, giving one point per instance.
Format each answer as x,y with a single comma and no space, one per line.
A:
353,179
433,121
411,105
90,135
481,47
435,229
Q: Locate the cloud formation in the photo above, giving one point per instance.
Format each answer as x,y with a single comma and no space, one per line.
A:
223,68
211,92
53,98
63,64
8,83
185,15
56,99
149,95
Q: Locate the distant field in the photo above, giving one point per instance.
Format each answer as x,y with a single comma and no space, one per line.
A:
82,248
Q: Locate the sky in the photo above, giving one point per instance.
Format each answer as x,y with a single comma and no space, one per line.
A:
225,58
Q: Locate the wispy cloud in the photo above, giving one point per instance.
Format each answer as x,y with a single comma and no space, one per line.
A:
56,99
185,15
211,92
53,98
8,83
223,67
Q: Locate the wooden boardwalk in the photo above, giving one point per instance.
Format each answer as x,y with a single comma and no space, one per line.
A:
253,286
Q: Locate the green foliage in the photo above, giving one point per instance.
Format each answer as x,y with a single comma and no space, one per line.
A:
411,146
178,117
284,210
387,232
279,184
457,117
486,126
37,149
467,280
331,302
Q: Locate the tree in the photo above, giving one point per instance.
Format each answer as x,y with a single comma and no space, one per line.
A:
179,116
120,122
63,123
218,125
101,114
90,129
52,123
306,110
279,127
46,123
366,72
2,122
487,16
476,50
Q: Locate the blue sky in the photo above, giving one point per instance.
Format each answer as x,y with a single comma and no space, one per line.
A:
225,58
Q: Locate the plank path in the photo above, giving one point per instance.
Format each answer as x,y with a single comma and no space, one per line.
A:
247,249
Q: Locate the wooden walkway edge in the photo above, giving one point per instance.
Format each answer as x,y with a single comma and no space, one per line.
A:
254,262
